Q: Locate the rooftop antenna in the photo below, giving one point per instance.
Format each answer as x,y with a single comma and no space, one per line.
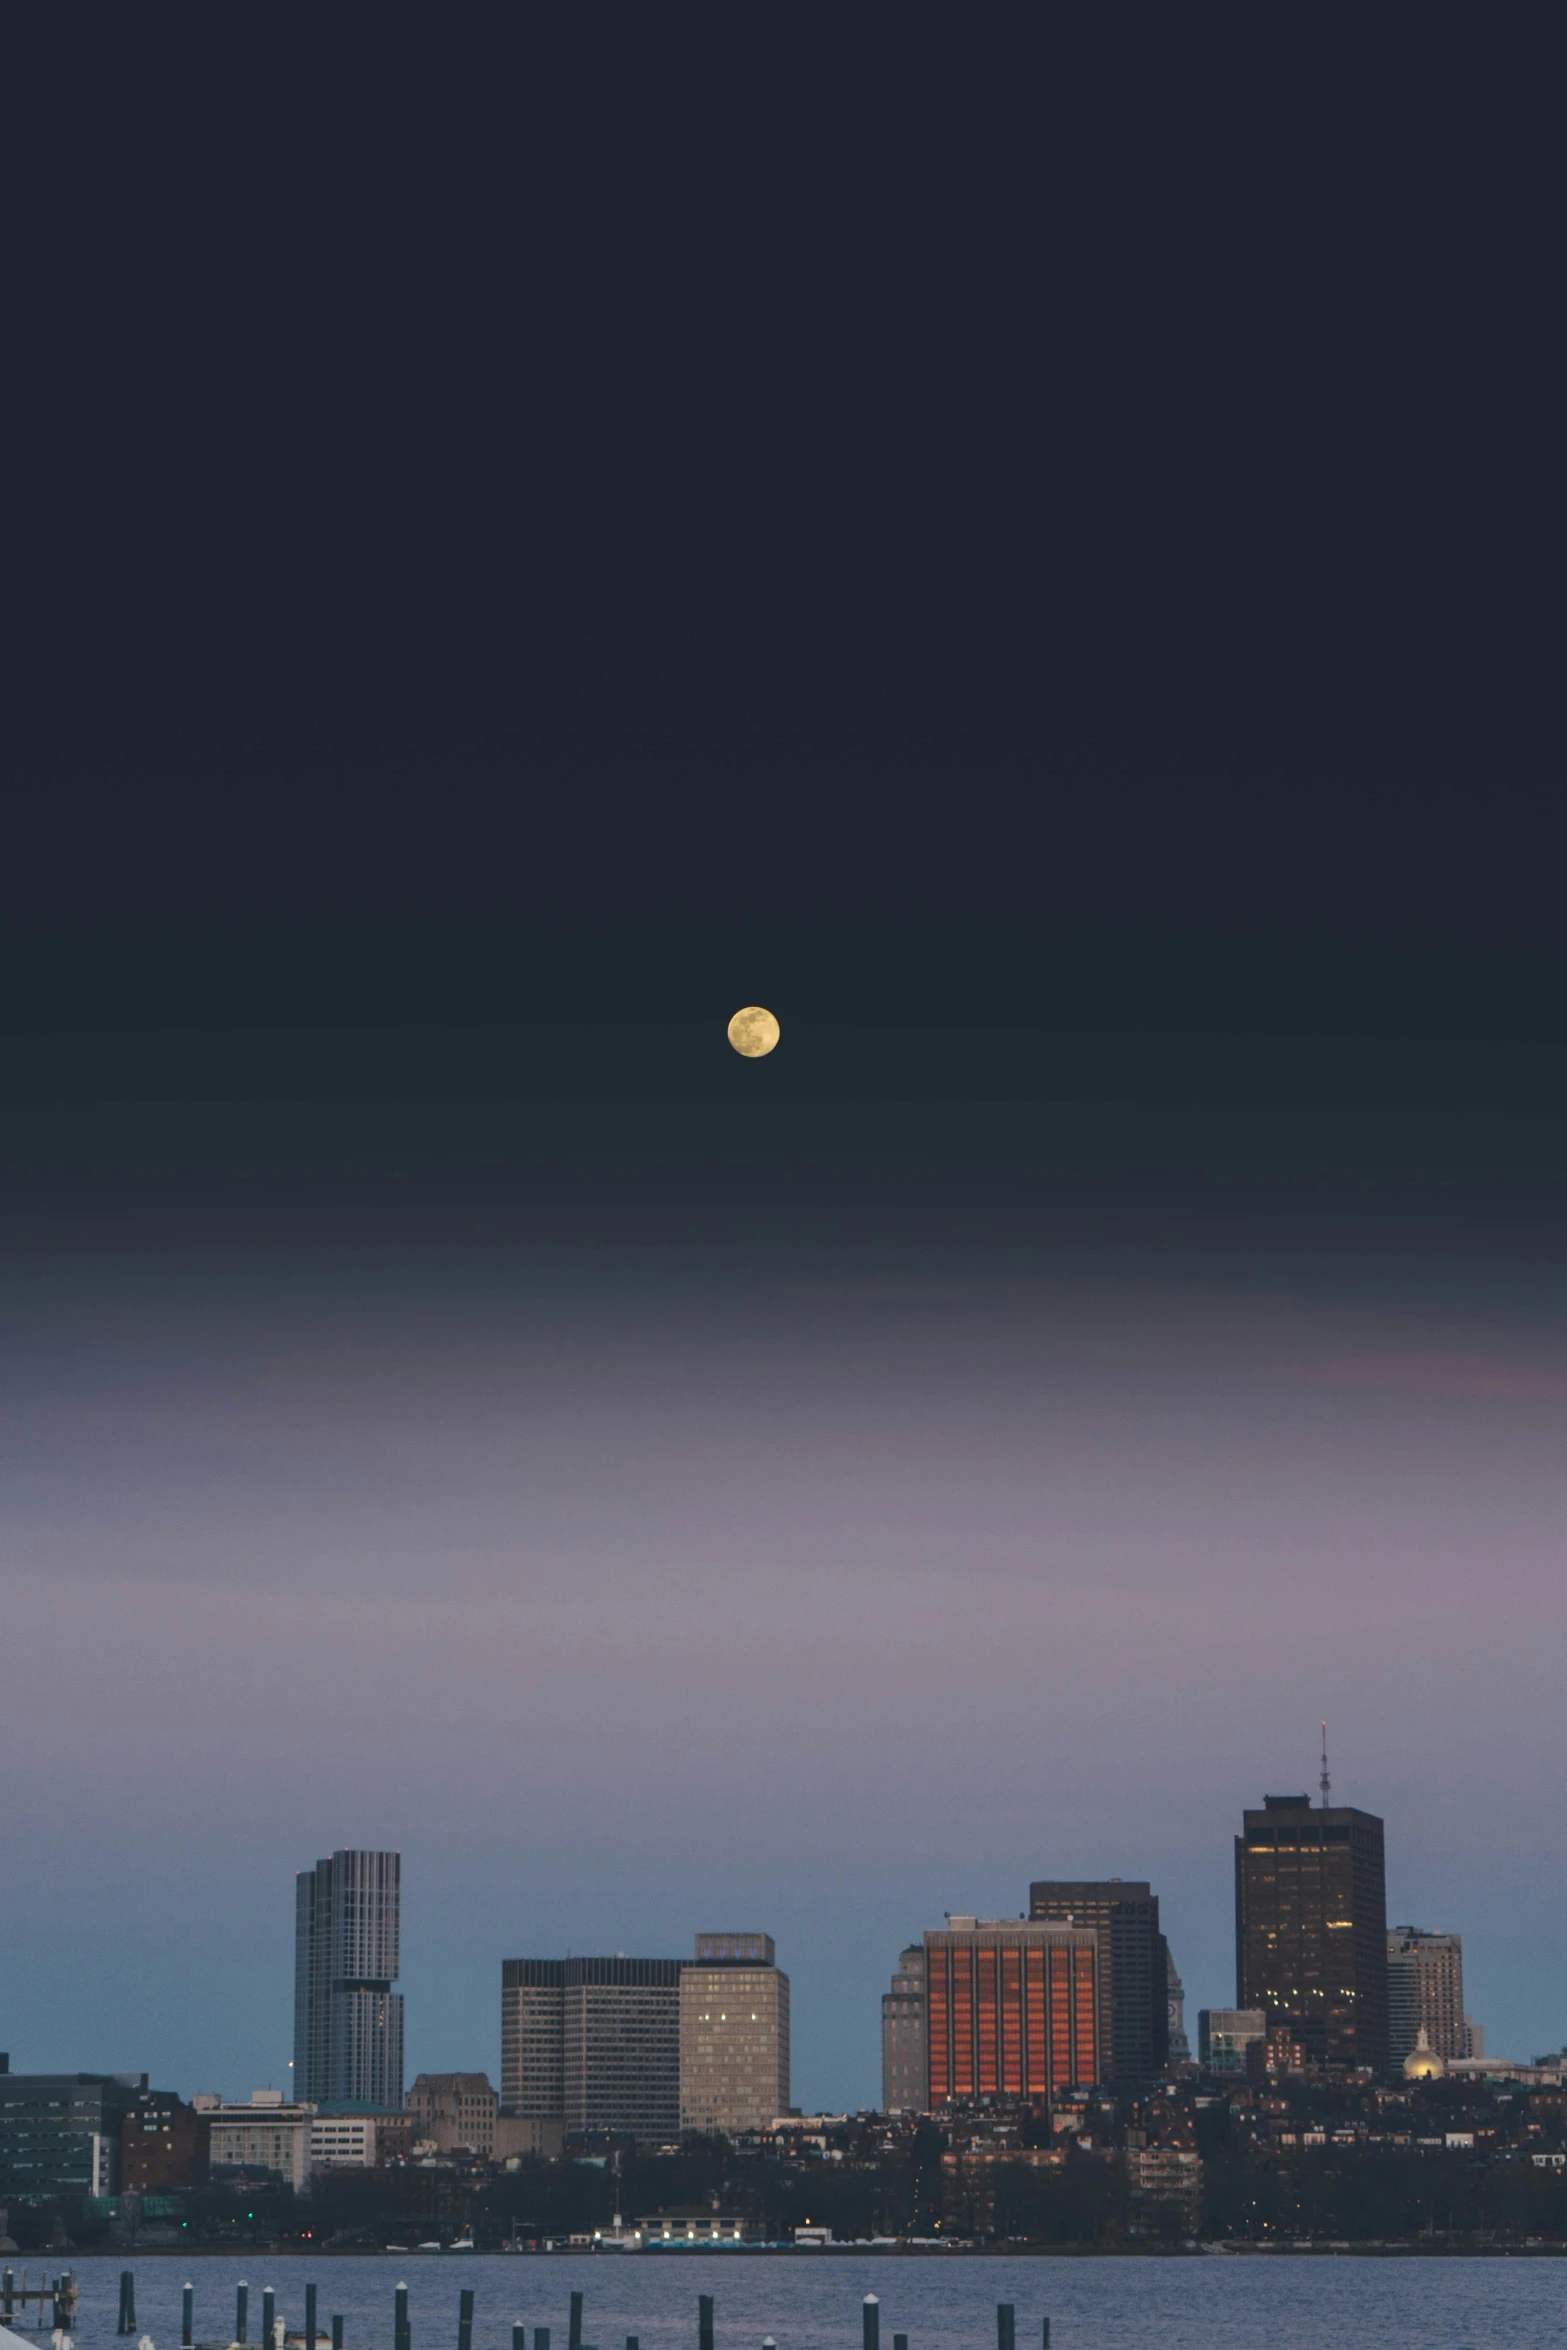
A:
1324,1782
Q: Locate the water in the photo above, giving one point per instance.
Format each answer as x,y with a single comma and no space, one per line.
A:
813,2301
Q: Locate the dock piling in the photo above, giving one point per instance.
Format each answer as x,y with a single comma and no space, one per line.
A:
900,2342
1047,2334
241,2313
1006,2326
870,2323
127,2324
268,2316
310,2317
465,2319
400,2326
704,2321
574,2328
337,2333
188,2317
519,2337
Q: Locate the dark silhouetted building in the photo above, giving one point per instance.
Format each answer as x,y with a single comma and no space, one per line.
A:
60,2134
348,2021
1134,1968
1011,2011
164,2144
1311,1928
903,2070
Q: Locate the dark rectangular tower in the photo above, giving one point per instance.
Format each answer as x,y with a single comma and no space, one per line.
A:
1134,1997
348,2021
1311,1927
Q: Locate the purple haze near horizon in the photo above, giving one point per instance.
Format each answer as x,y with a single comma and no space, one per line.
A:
631,1590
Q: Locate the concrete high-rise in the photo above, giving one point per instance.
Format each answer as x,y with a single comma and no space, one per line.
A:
593,2043
1425,1992
1134,1993
903,2071
533,2038
1311,1928
1011,2011
348,2021
734,2035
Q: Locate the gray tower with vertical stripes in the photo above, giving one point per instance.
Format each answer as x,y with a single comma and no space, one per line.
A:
348,2021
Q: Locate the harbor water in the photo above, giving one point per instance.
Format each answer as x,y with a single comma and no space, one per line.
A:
814,2301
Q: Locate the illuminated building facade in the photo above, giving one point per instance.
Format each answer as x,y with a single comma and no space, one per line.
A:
1311,1928
734,2036
1011,2011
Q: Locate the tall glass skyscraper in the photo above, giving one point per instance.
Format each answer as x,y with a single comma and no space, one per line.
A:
348,2021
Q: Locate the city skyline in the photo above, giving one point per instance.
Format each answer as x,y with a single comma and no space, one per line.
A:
333,1928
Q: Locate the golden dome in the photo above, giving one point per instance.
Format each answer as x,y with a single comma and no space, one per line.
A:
1423,2063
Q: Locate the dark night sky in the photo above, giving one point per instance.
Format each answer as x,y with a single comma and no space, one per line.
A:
1034,552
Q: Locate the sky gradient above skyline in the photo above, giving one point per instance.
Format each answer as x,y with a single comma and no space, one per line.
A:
657,1492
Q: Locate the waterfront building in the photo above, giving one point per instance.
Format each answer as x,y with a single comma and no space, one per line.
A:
1425,1993
1311,1927
340,2140
593,2044
1134,1993
734,2035
1160,2180
60,2134
903,2069
699,2225
348,2021
265,2135
1011,2010
1224,2034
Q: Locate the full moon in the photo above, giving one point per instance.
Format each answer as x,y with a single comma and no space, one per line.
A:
753,1032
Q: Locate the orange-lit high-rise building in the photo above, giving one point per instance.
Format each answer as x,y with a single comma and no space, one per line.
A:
1011,2011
